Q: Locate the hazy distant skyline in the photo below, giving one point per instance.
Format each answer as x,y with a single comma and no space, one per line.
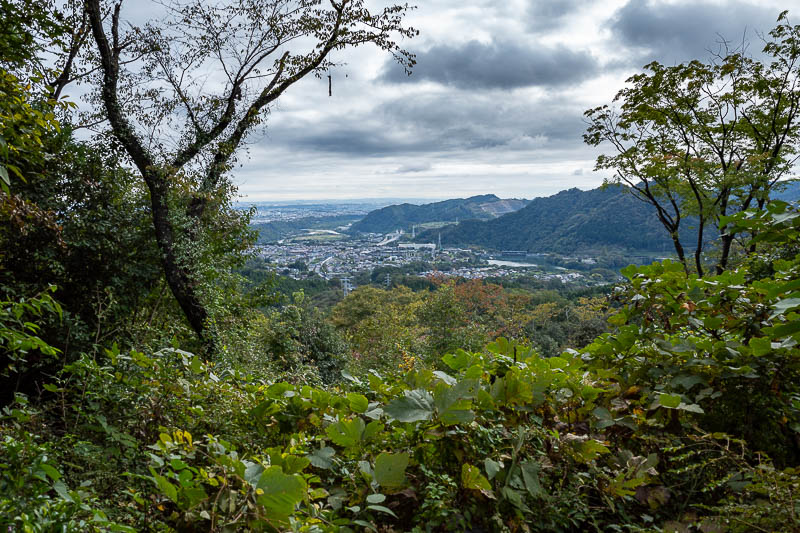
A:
495,103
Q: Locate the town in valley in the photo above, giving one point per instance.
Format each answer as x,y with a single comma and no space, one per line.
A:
329,250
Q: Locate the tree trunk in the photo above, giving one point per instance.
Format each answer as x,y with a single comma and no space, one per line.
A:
178,275
698,251
346,23
727,240
676,241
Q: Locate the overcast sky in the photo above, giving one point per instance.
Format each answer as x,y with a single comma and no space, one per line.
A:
495,103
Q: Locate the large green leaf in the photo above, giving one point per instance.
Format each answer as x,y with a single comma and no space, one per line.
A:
390,469
167,488
686,381
691,407
194,496
760,345
322,458
590,449
414,406
453,403
670,401
293,464
265,408
458,360
782,306
281,492
346,433
492,467
784,330
372,429
252,473
530,474
458,413
471,478
358,402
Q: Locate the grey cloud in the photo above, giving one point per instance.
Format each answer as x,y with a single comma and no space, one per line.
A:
413,167
499,65
547,15
674,33
462,116
438,123
349,139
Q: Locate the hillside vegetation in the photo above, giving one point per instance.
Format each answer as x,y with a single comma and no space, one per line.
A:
686,414
567,222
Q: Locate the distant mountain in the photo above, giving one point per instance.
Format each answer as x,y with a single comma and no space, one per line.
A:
403,216
568,222
790,192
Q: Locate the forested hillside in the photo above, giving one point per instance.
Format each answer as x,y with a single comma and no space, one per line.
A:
570,221
154,376
403,216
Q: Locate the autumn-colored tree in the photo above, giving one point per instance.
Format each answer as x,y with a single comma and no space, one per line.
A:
381,326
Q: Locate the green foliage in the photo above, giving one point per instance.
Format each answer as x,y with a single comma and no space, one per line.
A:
415,423
721,350
298,337
390,469
82,225
23,125
380,326
706,139
34,498
20,346
28,479
23,28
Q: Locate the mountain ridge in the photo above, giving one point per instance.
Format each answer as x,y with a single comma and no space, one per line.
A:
403,216
570,221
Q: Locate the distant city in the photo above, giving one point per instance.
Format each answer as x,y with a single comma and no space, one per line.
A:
332,252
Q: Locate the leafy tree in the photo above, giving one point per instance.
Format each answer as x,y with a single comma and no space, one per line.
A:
299,336
96,240
381,326
24,123
23,28
723,347
705,139
448,323
254,44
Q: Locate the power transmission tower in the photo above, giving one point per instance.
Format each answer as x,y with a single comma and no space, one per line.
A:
347,285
